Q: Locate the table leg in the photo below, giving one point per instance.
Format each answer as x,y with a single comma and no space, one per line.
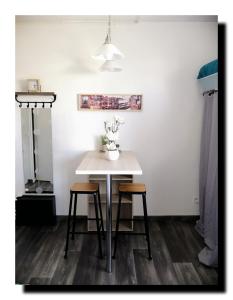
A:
109,223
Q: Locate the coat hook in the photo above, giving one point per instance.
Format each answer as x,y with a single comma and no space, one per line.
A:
28,105
51,105
35,104
20,105
43,105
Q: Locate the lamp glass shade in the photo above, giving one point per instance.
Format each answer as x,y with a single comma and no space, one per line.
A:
110,66
108,52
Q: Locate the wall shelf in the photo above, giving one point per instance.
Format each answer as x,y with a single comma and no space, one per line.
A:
115,198
126,204
32,98
114,177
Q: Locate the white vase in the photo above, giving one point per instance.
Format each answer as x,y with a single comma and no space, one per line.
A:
112,154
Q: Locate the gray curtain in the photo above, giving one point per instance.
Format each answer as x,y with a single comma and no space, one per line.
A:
207,225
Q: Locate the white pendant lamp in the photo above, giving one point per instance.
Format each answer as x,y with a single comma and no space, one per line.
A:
110,66
108,51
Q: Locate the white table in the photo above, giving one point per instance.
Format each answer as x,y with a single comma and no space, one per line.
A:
95,162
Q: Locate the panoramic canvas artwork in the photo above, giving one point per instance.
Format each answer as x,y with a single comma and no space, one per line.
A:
110,102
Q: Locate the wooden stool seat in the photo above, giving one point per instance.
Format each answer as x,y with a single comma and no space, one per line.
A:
84,187
132,188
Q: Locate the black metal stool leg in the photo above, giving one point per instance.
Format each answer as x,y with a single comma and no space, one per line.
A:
101,215
74,215
146,224
68,225
97,224
117,225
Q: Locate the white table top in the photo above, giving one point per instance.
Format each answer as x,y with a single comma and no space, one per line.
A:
95,162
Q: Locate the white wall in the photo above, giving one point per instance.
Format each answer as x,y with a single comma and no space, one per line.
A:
162,60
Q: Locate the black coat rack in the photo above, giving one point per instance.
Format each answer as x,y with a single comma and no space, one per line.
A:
35,103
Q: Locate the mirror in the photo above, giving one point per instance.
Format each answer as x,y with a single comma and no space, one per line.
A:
37,150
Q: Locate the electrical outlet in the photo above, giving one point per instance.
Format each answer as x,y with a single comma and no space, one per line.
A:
196,200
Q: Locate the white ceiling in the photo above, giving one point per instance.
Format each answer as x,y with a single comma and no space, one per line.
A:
117,19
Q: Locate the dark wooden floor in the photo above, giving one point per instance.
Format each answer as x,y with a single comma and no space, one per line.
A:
175,245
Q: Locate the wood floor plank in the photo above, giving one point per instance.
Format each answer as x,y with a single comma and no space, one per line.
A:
195,244
87,267
176,243
66,268
40,281
161,256
124,264
187,274
26,236
208,276
25,256
46,259
145,270
174,246
138,242
191,244
76,244
103,277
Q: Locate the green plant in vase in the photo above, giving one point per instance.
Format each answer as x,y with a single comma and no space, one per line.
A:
104,142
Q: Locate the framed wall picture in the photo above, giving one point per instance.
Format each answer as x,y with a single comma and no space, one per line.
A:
34,85
130,102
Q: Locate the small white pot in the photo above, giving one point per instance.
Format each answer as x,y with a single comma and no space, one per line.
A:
112,154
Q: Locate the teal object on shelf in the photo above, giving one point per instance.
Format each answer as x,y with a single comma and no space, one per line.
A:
208,69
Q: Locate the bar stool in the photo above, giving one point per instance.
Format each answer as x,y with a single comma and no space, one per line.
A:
133,189
85,188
